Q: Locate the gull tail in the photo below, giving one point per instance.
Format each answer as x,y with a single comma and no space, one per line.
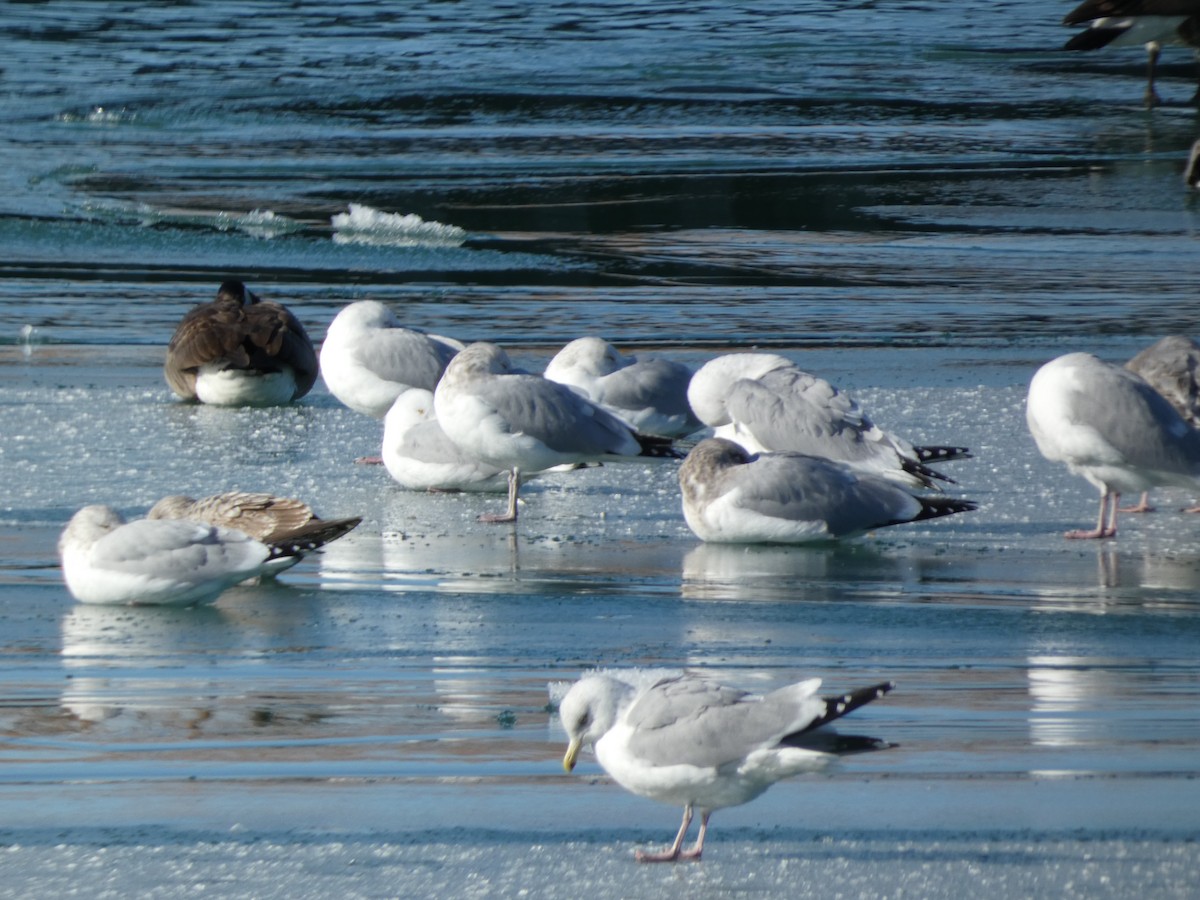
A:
928,477
311,536
810,738
936,507
658,447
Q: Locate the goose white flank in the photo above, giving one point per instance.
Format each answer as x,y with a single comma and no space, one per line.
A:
239,350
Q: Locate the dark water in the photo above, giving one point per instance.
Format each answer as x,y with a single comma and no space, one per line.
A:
923,201
868,172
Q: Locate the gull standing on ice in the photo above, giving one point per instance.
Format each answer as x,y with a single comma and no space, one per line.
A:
418,454
650,394
524,423
692,743
238,350
149,561
368,358
730,496
766,403
1108,425
277,521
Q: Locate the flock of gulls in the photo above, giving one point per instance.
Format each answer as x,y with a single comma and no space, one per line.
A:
779,456
776,455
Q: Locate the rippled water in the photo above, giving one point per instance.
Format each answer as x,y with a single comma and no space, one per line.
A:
919,201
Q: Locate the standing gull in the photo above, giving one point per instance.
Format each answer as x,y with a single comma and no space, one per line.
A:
524,423
649,394
1108,425
368,358
148,561
730,496
692,743
277,521
238,350
1132,23
766,403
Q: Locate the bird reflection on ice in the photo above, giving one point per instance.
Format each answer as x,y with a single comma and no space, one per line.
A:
1067,697
740,571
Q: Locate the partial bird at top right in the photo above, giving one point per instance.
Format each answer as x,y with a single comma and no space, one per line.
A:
1130,23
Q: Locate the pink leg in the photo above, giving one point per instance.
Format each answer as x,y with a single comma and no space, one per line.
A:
1143,505
1106,524
510,514
369,461
671,854
698,847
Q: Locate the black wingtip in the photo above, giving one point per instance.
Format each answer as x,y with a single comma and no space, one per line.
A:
942,454
844,704
658,447
936,507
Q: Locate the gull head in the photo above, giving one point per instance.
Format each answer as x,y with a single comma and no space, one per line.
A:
590,708
89,525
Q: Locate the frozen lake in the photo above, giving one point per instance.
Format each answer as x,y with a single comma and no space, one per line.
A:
380,717
917,202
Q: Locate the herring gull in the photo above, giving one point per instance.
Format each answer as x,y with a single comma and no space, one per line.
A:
523,423
1108,425
175,562
693,743
368,358
239,350
731,496
766,403
649,393
277,521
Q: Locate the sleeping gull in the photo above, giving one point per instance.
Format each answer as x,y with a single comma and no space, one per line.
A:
1108,425
692,743
151,561
419,456
649,394
730,496
765,402
1172,367
368,358
1133,23
238,350
523,423
277,521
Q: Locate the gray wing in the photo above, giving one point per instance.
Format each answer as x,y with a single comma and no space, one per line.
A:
176,550
688,720
1136,420
427,442
656,383
403,356
802,488
555,415
790,409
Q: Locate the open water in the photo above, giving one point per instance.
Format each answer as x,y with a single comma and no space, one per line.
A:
921,202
